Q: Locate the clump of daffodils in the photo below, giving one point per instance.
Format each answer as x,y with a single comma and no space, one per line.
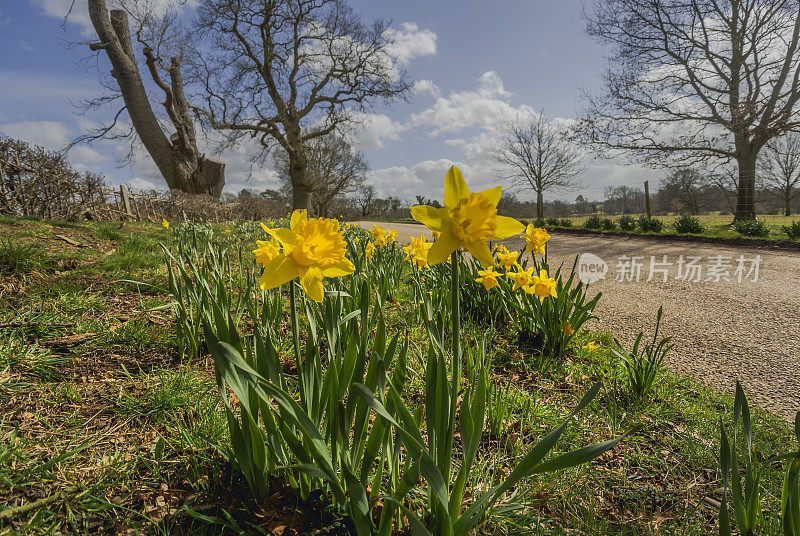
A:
369,250
417,251
382,237
311,250
379,236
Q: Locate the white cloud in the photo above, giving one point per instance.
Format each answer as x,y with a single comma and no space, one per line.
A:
486,107
139,184
410,42
421,87
79,13
78,10
426,178
372,131
52,135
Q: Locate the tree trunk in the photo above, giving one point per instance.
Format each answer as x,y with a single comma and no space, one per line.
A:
539,205
745,203
177,158
788,204
301,192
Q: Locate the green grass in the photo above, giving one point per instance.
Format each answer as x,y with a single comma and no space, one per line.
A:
139,431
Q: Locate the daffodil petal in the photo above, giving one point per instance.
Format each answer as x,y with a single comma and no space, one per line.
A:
430,217
311,281
340,269
442,248
455,187
507,227
480,250
280,270
493,194
285,236
298,217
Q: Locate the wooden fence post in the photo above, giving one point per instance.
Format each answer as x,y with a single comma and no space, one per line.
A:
647,198
125,201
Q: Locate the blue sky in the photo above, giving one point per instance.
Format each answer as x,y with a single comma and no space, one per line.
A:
477,64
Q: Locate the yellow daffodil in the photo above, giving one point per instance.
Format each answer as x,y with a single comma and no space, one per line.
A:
536,238
356,240
542,286
377,231
391,235
436,234
590,347
379,236
369,250
467,220
228,231
521,278
488,277
568,331
500,248
313,249
417,251
164,223
267,250
508,259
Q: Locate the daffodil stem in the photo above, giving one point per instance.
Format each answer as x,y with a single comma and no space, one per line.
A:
455,383
295,327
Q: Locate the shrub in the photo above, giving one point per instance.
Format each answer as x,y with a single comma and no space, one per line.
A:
650,225
751,227
608,224
627,223
688,224
793,230
594,222
553,222
566,222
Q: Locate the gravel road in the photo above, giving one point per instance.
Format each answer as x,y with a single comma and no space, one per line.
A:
722,330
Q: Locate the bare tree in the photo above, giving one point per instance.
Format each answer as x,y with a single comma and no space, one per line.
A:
623,199
536,155
781,163
289,71
697,80
684,190
365,200
176,155
334,170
